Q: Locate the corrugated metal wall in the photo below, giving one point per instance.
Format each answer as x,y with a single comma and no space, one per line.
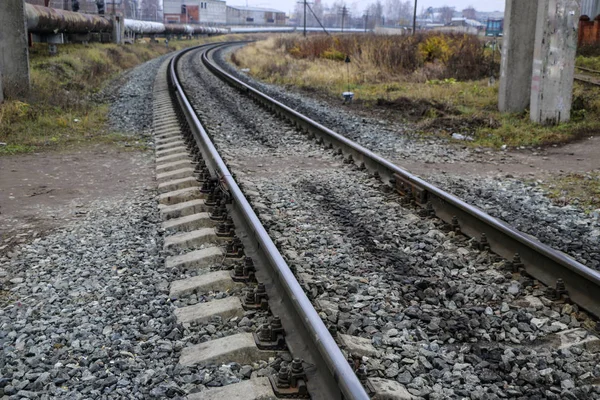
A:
591,8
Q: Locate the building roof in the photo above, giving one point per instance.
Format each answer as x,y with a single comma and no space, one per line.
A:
242,8
469,22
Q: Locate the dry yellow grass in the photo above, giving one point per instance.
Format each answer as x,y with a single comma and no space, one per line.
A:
59,111
444,105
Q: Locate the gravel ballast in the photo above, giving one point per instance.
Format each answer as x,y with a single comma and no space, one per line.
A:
130,98
86,311
448,321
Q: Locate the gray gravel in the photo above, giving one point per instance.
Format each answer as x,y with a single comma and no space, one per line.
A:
88,314
521,204
392,140
448,321
130,98
526,207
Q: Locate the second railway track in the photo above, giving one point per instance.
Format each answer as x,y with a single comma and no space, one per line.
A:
420,303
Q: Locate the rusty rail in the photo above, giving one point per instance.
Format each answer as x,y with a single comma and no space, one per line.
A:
306,334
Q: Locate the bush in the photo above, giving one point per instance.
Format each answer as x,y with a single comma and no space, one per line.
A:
458,56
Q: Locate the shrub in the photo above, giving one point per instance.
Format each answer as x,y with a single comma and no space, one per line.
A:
435,48
458,56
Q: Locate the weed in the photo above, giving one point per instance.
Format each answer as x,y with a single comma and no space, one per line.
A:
424,93
60,110
580,189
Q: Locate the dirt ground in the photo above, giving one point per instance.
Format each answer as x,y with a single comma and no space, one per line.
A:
42,191
578,157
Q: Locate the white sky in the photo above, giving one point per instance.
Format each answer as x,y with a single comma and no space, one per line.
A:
288,5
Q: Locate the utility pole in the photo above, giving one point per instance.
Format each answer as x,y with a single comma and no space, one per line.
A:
304,18
344,13
366,20
415,19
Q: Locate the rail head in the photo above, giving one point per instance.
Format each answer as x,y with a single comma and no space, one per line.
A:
310,327
541,261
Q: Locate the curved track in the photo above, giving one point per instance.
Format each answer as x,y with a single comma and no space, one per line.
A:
540,261
415,206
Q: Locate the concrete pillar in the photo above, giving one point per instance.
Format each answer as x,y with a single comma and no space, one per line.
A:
517,52
14,53
1,91
118,31
554,61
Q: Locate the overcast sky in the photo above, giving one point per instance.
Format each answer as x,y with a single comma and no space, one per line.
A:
288,5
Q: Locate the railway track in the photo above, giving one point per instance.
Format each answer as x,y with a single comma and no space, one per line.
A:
436,299
589,76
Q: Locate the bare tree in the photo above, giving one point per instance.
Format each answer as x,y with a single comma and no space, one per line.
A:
150,10
399,12
376,13
446,14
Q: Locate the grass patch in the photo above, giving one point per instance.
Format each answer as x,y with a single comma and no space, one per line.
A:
59,110
579,189
588,62
428,90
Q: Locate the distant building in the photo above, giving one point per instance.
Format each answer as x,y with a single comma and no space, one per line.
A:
195,12
238,15
466,22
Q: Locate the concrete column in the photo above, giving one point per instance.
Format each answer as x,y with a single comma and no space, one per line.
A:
1,91
554,61
517,52
14,53
118,31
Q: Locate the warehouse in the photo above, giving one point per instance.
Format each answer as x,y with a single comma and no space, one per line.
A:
195,11
237,15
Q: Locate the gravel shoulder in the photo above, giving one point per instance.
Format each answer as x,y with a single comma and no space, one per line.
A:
43,191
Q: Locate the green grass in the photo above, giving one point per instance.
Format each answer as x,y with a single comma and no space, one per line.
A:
579,189
588,62
11,149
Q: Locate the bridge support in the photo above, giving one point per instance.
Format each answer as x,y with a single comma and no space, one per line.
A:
118,28
517,53
554,61
14,53
538,59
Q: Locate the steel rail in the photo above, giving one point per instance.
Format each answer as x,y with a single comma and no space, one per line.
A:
586,79
588,70
539,260
306,334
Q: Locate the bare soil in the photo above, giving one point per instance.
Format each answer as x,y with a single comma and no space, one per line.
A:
543,163
578,156
43,191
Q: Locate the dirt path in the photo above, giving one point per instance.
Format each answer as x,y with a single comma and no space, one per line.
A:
579,157
43,191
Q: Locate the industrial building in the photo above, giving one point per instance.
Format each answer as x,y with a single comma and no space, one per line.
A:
209,12
237,15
